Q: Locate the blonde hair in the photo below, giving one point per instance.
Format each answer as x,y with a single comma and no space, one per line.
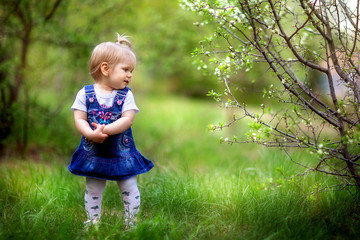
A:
111,53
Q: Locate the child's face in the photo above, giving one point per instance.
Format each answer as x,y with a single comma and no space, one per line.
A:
120,75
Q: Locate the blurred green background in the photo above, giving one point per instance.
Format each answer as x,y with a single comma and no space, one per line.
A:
45,47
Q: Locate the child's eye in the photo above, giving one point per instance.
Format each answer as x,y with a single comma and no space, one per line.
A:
128,69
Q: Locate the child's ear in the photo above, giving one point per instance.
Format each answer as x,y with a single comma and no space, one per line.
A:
104,67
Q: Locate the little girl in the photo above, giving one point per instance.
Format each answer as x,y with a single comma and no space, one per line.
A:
104,113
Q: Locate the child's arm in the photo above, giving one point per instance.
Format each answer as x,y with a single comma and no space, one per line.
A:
84,128
122,124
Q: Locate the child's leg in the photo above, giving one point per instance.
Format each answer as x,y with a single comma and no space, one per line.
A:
93,197
131,197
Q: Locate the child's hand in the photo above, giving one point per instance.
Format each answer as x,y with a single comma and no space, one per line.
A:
98,135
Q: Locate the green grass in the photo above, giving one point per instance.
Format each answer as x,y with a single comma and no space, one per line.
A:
200,189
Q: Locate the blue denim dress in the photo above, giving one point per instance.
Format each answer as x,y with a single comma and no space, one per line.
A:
117,157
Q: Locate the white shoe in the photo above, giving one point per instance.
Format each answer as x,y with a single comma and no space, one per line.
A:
130,223
91,222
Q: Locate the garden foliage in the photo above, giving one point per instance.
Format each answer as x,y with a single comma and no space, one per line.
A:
311,51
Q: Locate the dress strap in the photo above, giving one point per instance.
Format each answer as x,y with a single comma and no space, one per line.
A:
90,95
89,89
120,96
123,92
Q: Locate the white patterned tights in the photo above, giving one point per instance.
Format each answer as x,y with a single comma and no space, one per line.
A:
129,192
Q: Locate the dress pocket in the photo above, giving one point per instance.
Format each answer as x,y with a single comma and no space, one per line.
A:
125,143
88,146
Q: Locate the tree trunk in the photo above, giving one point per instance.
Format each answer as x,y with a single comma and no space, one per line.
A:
351,167
16,87
19,75
354,173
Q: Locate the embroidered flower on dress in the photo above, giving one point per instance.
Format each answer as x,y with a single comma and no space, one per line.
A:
105,117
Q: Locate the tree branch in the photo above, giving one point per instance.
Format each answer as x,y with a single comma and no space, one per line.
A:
52,10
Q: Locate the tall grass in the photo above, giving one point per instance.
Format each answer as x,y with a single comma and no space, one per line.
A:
199,189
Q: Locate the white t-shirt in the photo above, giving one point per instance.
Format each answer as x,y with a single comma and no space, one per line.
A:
105,100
